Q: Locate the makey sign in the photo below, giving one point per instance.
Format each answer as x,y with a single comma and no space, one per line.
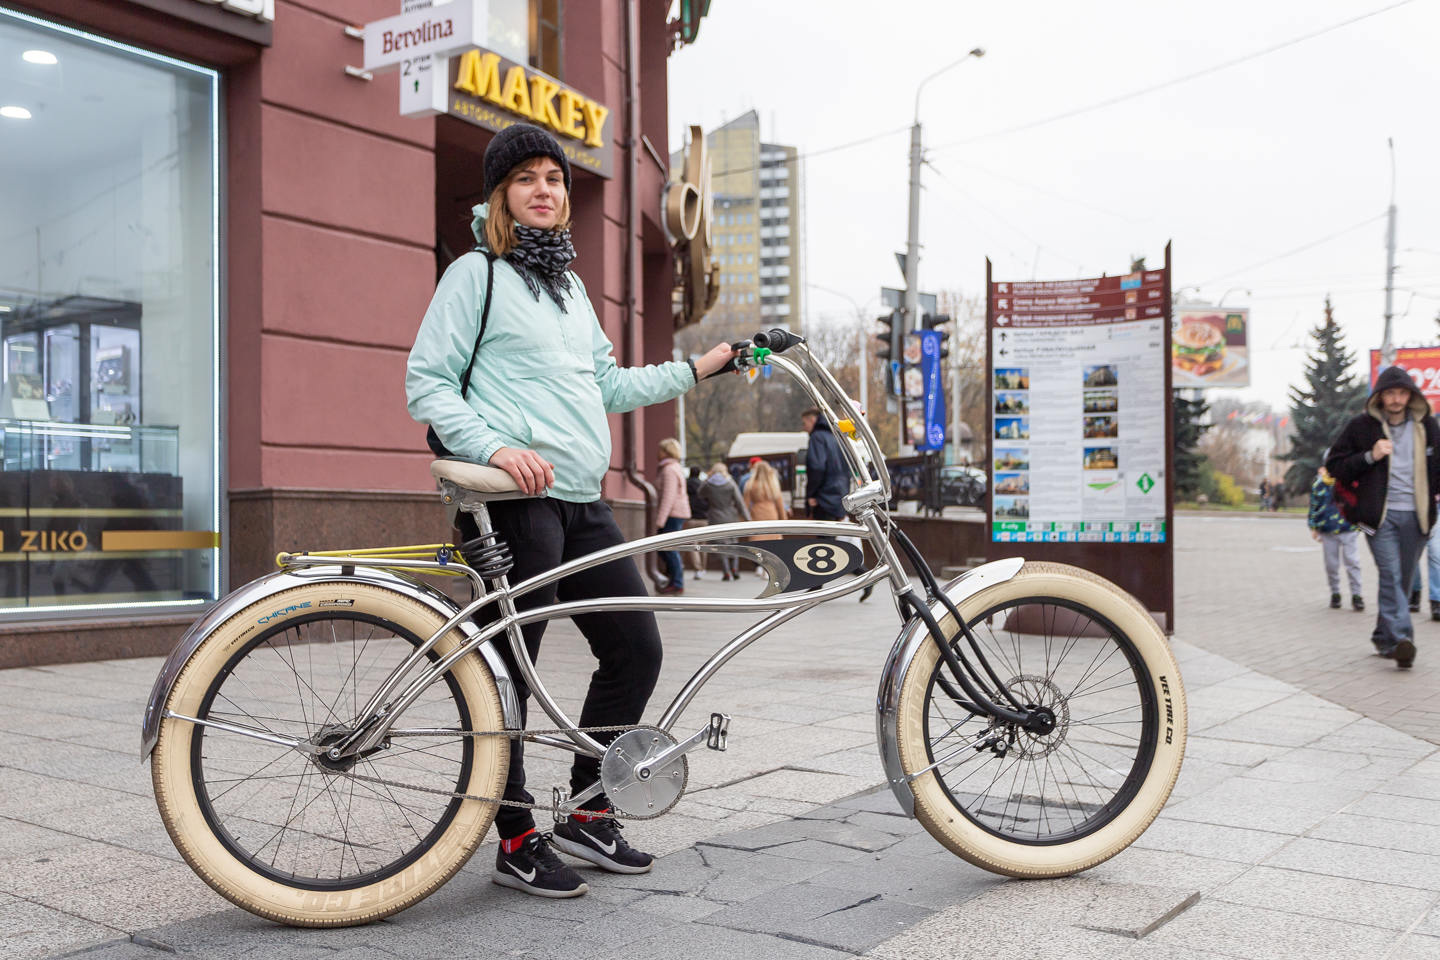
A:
1423,365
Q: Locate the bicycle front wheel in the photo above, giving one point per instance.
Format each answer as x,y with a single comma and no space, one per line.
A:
284,832
1030,804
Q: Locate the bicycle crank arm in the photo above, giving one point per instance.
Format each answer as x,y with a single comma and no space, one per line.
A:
714,735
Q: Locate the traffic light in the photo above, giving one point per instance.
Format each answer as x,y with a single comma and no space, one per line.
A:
933,321
891,350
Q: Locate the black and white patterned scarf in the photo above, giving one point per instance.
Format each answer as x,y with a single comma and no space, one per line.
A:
542,258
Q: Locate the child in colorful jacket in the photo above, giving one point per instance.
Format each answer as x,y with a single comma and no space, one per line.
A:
1338,537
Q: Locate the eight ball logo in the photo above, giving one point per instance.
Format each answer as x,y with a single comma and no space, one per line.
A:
819,559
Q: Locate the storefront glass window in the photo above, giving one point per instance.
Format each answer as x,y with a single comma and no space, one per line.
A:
109,325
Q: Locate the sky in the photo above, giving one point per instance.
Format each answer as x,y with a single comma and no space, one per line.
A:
1271,176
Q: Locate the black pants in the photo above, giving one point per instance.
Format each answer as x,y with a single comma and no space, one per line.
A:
542,534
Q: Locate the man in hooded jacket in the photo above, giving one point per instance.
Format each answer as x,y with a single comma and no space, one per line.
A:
1386,464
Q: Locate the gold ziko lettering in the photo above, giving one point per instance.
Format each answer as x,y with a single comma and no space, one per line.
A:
54,541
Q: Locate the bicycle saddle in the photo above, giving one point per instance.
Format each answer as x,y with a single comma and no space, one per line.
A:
479,481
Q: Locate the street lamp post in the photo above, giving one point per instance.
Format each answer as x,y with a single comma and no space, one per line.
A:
860,314
911,319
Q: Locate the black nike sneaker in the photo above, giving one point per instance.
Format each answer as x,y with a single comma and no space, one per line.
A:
599,842
536,869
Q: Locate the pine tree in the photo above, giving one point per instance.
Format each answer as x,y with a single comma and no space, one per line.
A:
1334,395
1188,429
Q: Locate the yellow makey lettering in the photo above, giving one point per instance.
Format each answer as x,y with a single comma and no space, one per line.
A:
542,101
516,97
479,75
595,116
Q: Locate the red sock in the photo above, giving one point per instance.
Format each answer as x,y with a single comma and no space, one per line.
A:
587,817
513,843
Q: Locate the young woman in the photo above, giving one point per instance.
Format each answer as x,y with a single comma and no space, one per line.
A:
763,497
535,403
673,510
723,504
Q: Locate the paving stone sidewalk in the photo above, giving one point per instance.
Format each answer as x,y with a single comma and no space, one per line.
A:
1300,827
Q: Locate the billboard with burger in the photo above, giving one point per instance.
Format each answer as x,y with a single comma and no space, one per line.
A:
1208,347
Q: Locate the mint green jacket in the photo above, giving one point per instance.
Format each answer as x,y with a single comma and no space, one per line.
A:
543,379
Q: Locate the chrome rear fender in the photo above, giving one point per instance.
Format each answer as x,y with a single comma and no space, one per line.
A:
912,637
258,590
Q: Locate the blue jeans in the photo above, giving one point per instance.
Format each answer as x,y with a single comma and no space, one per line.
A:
671,558
1432,555
1396,547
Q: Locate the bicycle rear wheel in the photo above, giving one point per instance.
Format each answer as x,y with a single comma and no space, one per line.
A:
1043,805
288,834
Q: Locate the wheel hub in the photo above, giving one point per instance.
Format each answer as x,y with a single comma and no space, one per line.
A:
1051,713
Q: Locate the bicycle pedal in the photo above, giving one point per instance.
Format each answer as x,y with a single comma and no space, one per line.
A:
558,800
719,731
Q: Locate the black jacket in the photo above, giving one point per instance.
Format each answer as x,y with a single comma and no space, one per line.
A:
827,476
1360,484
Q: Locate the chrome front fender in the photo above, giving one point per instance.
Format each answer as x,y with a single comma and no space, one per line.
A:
257,590
912,637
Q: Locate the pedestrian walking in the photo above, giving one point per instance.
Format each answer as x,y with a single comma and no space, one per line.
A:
1339,539
723,504
765,501
530,397
827,476
672,511
1264,494
697,517
1386,464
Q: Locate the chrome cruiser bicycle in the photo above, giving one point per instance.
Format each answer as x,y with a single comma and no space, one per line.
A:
329,743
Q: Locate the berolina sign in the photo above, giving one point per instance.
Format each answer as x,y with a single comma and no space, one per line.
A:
429,31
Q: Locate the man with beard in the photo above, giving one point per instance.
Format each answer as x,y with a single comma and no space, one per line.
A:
1386,464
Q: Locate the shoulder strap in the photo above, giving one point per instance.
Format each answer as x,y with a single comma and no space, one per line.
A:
484,319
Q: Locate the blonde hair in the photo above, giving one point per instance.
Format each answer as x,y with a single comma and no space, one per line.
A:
765,482
719,467
500,222
670,447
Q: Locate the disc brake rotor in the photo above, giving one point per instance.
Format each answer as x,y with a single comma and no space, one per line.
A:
1041,692
642,796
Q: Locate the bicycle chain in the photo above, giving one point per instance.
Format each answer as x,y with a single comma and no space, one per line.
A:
501,801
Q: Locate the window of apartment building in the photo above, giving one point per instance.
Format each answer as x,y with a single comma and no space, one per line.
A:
109,325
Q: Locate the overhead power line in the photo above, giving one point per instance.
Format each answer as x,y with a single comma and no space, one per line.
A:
1174,81
1290,253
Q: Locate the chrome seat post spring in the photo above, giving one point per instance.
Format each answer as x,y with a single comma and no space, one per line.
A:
488,555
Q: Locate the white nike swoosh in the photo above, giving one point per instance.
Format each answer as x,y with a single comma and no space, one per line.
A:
609,848
527,877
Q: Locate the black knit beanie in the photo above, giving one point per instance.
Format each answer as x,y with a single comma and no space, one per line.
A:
516,144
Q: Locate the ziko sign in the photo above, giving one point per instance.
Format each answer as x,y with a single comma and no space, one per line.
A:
429,31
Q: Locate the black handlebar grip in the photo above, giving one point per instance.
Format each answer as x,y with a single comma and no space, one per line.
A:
776,340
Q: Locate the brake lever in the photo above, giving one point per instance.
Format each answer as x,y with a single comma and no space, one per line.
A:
731,365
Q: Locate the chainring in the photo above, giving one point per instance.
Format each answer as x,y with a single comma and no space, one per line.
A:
632,796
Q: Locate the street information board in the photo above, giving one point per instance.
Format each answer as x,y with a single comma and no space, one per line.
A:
1078,418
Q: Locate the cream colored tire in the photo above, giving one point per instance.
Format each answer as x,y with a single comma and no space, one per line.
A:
1000,850
222,861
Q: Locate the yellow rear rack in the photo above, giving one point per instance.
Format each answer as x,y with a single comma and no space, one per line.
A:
443,553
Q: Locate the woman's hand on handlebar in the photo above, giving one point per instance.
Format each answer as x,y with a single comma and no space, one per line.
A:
530,470
714,361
